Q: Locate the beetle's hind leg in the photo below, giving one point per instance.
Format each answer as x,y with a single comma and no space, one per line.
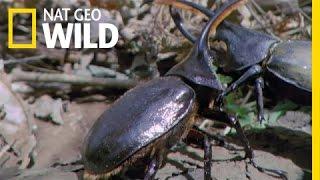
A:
234,123
207,158
152,169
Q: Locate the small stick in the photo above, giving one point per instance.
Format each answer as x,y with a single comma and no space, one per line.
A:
26,60
19,75
261,20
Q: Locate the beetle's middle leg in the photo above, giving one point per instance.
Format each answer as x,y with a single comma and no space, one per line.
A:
250,73
234,123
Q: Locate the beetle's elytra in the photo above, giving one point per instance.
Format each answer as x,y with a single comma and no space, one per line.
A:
158,112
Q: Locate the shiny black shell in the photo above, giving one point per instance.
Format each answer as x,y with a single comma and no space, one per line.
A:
289,71
135,120
291,62
245,47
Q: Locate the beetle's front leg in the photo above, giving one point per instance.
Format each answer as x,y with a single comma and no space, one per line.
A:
250,73
259,85
207,158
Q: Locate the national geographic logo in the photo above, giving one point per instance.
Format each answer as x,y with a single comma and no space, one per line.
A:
79,31
11,13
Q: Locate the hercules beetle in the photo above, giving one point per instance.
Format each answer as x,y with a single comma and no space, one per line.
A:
285,65
149,119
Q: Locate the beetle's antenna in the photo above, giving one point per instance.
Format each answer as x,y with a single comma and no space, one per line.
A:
217,18
176,3
176,16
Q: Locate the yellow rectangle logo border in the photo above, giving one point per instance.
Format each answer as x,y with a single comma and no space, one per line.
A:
11,13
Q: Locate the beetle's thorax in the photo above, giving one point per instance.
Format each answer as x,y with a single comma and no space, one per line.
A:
245,47
197,70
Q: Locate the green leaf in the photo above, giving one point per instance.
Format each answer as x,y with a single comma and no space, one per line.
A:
285,106
274,116
225,79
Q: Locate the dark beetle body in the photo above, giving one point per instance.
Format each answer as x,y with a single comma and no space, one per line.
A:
290,61
294,56
160,106
151,117
289,69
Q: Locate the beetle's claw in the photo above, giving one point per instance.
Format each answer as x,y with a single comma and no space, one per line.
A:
261,118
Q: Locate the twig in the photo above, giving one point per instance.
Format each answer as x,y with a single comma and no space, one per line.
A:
292,31
258,18
246,98
26,60
305,15
261,11
18,75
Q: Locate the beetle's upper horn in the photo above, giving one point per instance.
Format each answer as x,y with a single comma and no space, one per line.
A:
219,15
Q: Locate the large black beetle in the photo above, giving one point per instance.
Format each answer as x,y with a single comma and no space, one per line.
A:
284,65
149,119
